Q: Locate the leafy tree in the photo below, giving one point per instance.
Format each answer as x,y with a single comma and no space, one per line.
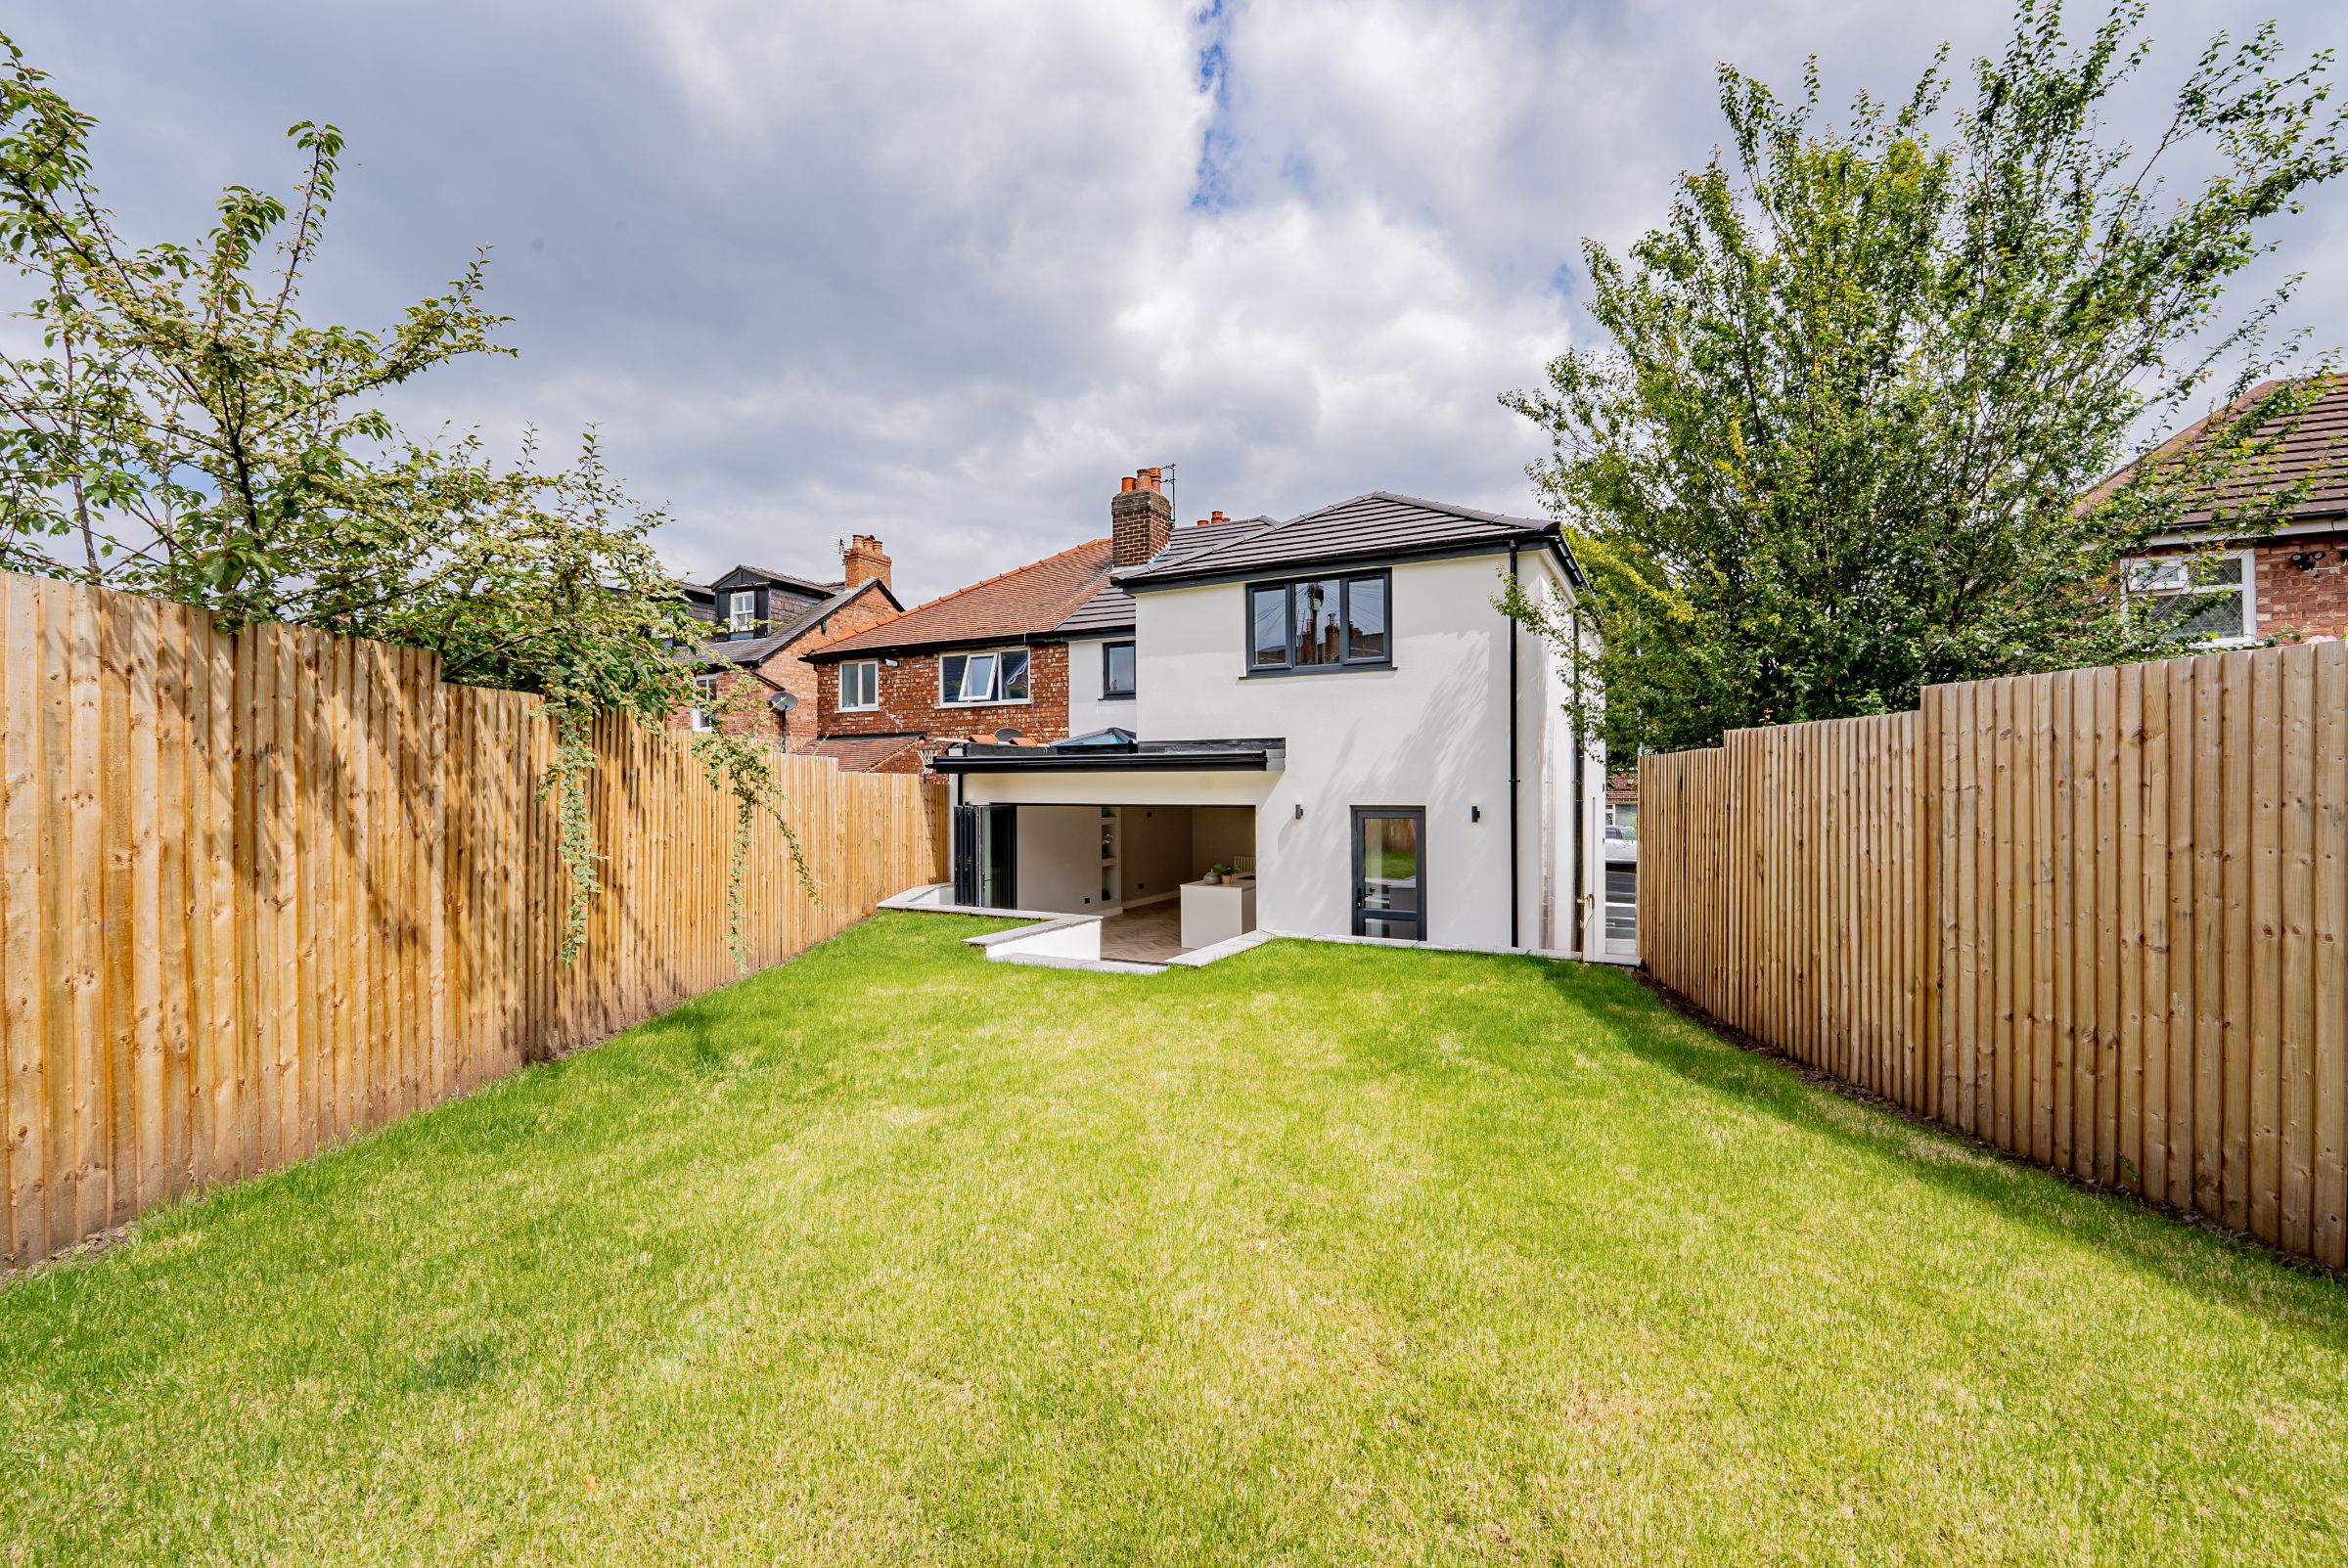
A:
181,431
1835,444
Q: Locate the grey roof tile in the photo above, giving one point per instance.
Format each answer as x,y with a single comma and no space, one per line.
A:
1380,524
778,636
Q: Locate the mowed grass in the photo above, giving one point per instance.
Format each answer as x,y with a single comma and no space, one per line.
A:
1320,1255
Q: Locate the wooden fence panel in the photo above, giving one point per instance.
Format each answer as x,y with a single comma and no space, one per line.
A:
262,892
2097,917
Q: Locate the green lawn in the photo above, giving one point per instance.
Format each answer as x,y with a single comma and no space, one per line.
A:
1320,1255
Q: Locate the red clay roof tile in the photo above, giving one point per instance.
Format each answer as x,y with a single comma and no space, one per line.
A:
2314,451
1025,602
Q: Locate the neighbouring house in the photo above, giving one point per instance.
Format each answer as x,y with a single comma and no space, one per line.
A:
2238,588
990,660
1333,708
763,626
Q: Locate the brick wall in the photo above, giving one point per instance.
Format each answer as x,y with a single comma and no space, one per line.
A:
791,671
909,701
2310,600
755,716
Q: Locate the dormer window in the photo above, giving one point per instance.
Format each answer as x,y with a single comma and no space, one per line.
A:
741,611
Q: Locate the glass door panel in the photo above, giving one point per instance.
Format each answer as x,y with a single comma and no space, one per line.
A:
998,857
1389,870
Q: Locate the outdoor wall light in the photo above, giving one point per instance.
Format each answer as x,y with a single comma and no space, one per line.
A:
1475,814
2305,559
1301,811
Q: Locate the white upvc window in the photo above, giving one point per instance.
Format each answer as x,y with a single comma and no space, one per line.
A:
2208,598
705,691
988,676
742,610
859,686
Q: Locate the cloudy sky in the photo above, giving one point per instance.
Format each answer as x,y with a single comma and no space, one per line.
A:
943,271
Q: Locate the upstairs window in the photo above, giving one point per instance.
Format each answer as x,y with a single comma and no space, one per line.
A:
1117,669
971,680
1319,623
704,698
859,685
2203,599
741,611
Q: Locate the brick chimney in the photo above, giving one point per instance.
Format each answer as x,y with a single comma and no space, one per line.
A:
865,561
1140,518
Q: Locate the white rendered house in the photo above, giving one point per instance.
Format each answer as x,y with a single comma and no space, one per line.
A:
1332,703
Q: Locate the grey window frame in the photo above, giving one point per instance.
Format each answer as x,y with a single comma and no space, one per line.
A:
1108,691
1417,815
1287,586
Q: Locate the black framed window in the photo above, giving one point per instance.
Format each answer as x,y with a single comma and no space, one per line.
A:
1319,623
1117,669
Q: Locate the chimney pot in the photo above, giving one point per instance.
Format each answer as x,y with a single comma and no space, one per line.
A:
1140,518
864,562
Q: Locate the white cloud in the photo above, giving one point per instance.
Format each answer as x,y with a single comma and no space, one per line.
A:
934,271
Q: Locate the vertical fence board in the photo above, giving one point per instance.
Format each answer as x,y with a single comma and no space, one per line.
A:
2330,987
261,891
26,940
2095,917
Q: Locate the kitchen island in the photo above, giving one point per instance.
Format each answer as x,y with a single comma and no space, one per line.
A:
1216,912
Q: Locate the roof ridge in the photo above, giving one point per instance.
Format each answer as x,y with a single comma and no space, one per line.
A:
1222,542
1088,564
1473,514
823,608
1013,571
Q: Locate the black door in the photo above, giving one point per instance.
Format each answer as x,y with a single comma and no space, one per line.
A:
965,854
1389,872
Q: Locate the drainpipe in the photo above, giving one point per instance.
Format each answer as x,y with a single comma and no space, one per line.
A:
1581,804
1515,902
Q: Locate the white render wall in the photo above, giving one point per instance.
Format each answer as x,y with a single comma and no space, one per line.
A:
1430,731
1088,709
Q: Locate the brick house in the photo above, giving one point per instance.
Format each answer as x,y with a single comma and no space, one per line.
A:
981,660
763,626
2291,581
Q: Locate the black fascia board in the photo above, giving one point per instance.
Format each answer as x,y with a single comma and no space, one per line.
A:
1043,759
